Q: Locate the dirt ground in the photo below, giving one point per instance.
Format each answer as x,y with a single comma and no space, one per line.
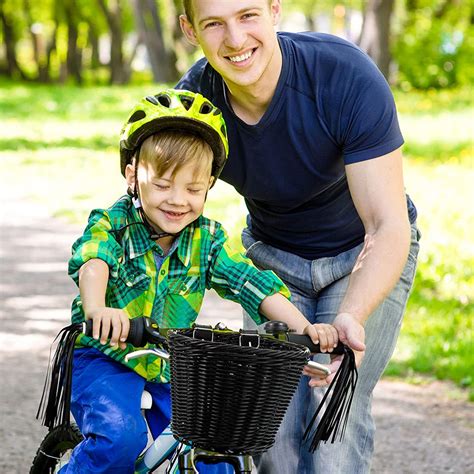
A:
420,429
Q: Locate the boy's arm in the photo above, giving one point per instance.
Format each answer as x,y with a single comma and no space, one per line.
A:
277,307
94,264
93,279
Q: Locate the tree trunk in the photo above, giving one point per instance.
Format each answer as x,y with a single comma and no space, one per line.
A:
119,73
149,27
375,35
74,54
9,38
93,40
51,47
310,21
39,47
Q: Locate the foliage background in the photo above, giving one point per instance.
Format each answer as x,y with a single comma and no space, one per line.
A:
60,119
418,44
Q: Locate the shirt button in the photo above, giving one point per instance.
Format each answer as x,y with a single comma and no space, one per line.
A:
163,272
184,287
129,284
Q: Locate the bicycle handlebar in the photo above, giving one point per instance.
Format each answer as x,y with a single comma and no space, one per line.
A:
144,330
54,405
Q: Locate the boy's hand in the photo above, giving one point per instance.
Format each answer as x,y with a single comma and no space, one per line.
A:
327,337
323,334
107,321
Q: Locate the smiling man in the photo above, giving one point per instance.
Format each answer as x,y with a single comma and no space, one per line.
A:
315,151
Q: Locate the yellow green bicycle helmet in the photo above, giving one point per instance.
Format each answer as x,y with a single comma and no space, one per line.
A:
175,109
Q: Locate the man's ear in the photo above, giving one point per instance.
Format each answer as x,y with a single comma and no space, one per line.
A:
276,11
188,30
130,176
212,180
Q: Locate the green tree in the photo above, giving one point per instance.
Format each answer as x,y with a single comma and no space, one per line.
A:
435,45
10,32
375,34
152,32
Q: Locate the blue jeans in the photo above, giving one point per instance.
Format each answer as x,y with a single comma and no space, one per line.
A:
105,402
317,288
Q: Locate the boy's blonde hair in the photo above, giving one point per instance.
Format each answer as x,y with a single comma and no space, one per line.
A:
173,149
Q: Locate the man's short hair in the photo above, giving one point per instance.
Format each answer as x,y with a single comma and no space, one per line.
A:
188,9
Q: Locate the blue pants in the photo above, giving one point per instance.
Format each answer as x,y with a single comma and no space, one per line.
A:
105,402
317,288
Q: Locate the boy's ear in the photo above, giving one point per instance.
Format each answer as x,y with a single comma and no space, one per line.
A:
188,30
130,175
212,180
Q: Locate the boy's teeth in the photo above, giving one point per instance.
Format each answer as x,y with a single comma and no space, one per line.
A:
242,57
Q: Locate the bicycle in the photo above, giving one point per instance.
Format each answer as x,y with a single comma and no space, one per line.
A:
182,443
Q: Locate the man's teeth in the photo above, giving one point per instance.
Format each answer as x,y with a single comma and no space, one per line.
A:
242,57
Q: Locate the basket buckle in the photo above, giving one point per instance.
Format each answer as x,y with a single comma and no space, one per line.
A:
203,332
249,337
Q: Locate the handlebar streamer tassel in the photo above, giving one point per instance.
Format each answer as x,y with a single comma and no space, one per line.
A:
339,393
56,398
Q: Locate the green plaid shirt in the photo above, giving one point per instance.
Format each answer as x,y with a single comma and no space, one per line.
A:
168,288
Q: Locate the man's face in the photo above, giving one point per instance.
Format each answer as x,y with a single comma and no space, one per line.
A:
237,38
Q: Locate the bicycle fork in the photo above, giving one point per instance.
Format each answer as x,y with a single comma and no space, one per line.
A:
242,464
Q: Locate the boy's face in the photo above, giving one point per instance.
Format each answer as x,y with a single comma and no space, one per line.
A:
237,38
171,202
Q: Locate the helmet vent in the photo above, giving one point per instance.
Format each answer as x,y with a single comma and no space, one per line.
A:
186,101
206,108
223,130
138,115
152,99
164,100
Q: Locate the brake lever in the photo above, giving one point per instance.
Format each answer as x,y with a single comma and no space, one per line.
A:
154,352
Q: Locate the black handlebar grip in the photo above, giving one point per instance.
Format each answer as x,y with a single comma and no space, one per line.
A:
135,334
304,340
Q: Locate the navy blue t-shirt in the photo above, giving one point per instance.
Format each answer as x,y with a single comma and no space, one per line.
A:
331,107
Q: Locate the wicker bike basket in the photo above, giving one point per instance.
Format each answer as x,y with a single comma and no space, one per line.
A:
228,396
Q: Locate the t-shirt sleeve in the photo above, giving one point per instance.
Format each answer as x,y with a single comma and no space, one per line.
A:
234,277
365,115
96,242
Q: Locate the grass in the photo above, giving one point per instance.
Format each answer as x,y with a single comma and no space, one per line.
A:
58,145
437,333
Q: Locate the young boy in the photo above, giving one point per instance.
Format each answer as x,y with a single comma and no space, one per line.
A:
153,254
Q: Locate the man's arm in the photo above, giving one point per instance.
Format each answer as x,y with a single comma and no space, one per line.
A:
378,193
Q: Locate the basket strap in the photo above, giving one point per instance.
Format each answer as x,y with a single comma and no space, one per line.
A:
249,338
203,332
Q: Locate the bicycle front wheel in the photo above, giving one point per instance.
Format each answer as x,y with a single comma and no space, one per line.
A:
55,449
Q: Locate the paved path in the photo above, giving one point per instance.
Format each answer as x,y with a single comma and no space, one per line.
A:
420,429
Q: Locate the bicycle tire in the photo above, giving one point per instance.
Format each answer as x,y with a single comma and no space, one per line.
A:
54,446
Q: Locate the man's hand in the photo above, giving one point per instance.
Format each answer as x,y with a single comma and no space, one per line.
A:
351,333
109,320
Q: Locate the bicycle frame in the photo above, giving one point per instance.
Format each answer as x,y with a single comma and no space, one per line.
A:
157,453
